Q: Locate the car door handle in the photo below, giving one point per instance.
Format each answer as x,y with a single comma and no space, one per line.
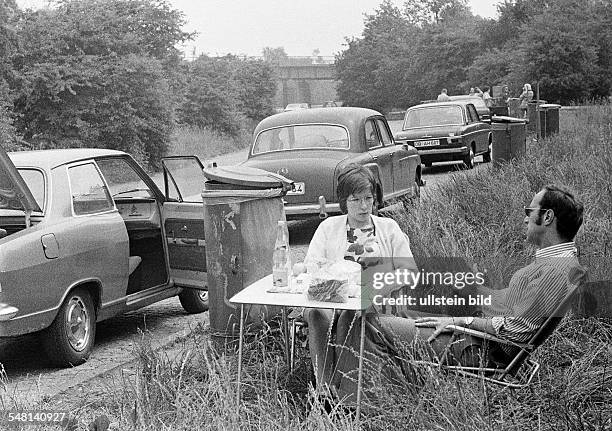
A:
375,157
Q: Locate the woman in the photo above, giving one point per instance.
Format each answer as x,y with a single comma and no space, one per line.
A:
524,99
360,236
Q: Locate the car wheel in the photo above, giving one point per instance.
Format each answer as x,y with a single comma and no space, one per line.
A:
468,161
194,300
70,338
486,157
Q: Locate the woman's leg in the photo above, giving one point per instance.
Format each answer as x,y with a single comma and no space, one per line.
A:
320,334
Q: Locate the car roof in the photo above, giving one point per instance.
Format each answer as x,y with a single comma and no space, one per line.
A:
334,115
50,159
461,102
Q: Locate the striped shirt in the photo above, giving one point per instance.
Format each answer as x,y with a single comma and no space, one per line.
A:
533,294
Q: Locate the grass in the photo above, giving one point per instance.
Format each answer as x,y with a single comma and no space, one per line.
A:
206,143
476,215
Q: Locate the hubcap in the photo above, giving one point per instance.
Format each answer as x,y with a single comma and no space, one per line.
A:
77,324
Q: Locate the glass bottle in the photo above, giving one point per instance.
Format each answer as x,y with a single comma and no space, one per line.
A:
281,258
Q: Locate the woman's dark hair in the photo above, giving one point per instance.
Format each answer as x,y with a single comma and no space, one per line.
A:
568,210
352,180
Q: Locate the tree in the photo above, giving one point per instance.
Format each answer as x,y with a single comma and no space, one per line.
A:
559,49
274,55
94,73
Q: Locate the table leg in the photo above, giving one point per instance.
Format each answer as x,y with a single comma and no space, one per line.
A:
360,370
240,354
286,333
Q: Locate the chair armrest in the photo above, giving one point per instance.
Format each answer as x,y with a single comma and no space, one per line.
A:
486,336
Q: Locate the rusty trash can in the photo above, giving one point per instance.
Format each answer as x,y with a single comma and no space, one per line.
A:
241,209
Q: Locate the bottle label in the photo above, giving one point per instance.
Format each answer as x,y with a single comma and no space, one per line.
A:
280,277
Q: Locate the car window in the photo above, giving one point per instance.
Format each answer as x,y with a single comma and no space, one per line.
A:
433,116
384,133
35,180
88,191
303,136
372,139
123,181
473,114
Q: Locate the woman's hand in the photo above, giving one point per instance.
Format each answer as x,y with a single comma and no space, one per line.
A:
440,323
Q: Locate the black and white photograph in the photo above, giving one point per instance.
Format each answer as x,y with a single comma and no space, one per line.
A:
323,215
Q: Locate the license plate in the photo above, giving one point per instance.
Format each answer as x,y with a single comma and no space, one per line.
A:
298,189
427,143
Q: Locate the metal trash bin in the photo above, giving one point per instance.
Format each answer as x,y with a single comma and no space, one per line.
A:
532,114
241,209
509,138
549,119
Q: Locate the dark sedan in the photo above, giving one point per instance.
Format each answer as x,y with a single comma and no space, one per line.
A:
311,146
446,131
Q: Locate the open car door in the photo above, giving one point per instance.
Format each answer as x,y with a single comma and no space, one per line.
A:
183,219
14,193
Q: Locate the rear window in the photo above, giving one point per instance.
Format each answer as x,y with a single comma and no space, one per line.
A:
434,116
35,180
306,136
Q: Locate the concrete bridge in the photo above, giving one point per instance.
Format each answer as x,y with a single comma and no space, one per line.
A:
304,80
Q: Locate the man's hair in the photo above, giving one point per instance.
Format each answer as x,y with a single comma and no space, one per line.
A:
354,179
444,90
568,210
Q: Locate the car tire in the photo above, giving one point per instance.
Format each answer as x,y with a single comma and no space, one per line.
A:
468,161
486,157
70,338
194,300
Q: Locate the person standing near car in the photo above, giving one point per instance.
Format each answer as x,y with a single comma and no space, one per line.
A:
524,99
475,92
443,97
486,96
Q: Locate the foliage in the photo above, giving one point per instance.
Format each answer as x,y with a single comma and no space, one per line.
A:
93,73
219,92
405,56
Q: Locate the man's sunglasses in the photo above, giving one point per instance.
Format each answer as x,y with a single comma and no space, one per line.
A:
528,210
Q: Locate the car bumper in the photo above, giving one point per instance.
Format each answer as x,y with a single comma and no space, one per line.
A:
306,210
443,154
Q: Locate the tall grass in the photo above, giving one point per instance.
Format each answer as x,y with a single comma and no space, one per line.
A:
206,143
477,215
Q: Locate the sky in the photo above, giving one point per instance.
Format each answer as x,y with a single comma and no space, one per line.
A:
245,27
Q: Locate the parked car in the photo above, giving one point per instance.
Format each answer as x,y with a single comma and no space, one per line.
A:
296,106
86,235
481,107
446,131
311,146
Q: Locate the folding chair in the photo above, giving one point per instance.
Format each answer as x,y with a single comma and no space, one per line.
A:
521,370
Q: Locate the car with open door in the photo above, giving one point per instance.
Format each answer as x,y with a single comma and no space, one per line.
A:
85,234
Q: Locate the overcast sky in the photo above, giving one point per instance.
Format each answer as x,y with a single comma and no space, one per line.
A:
299,26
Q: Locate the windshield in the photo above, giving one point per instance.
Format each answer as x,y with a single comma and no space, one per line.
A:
306,136
433,116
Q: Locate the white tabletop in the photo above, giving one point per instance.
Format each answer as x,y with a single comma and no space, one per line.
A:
257,293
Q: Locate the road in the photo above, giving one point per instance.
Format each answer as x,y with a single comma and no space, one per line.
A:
28,378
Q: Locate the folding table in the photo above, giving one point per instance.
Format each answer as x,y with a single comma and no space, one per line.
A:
257,293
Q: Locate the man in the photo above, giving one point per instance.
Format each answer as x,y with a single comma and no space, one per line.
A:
443,97
486,96
552,220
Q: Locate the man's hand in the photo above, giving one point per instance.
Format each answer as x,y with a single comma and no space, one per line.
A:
440,323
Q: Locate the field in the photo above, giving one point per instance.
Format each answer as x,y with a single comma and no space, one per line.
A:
478,216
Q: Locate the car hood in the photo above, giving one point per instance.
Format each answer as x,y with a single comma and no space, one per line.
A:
14,193
313,168
427,132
